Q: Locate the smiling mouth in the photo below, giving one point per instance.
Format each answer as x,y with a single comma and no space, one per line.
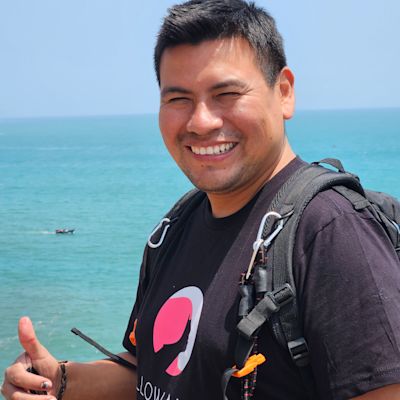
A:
212,150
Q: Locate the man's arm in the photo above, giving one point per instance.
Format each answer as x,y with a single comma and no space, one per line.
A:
101,379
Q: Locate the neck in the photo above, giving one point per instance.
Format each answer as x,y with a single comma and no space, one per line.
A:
228,203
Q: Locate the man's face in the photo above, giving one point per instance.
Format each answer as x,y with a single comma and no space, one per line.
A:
221,122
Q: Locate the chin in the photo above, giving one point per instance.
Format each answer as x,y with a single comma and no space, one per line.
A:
216,181
216,187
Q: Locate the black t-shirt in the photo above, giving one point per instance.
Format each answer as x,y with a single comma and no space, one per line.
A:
347,278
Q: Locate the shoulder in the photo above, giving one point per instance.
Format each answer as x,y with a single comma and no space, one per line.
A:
348,286
329,205
336,243
329,213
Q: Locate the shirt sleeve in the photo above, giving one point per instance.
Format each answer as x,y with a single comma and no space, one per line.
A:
348,279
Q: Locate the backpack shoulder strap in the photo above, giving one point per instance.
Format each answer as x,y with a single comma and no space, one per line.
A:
285,324
279,305
166,229
312,180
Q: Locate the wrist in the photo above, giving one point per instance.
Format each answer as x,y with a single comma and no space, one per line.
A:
61,380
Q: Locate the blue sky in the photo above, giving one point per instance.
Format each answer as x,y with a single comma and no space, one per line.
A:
94,57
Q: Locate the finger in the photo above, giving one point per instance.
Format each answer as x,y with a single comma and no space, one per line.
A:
29,341
18,376
11,392
24,359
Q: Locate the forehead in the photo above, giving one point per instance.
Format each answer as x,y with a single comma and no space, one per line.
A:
226,56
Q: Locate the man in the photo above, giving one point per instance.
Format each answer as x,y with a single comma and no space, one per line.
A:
225,94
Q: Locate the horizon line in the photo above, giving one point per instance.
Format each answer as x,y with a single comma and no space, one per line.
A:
134,114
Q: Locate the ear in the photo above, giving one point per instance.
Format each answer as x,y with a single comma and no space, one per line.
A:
286,88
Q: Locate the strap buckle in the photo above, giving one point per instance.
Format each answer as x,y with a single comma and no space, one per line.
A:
281,296
299,352
251,364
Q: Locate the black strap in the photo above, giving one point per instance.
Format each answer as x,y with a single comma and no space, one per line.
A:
386,216
113,357
358,201
226,377
303,189
291,200
333,162
176,211
270,304
181,209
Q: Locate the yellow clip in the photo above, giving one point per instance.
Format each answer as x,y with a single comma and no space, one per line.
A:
251,364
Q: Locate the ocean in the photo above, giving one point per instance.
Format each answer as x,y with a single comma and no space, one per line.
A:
111,179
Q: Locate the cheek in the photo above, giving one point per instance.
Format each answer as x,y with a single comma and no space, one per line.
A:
167,129
163,122
171,123
247,120
170,129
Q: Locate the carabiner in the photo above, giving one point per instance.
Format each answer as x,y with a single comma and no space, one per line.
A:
262,224
272,236
260,241
164,232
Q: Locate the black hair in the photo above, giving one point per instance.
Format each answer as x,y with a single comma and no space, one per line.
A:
197,20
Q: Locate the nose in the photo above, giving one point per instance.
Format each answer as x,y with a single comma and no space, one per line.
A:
203,120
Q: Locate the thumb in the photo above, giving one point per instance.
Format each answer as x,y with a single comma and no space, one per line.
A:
29,341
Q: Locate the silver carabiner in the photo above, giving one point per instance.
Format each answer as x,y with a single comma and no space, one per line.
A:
273,235
164,232
260,241
262,224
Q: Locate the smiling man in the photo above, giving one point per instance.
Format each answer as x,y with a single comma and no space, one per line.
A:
222,122
225,93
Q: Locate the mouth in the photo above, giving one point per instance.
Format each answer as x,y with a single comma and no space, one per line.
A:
213,150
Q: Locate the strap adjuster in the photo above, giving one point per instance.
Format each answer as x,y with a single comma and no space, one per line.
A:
251,364
299,352
282,295
267,306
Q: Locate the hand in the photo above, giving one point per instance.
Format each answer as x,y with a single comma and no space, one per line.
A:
17,381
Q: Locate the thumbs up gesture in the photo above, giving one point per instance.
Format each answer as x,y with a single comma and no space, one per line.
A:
18,382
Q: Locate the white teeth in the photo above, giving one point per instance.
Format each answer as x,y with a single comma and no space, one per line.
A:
212,150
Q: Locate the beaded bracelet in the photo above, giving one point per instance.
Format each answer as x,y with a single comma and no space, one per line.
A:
63,381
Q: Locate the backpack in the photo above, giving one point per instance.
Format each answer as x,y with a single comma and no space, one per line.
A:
275,286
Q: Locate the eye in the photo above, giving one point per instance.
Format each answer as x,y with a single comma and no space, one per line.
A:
229,94
177,100
228,97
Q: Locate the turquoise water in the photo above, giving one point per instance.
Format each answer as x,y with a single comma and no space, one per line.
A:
111,179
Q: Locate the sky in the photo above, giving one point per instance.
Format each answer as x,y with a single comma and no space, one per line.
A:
94,57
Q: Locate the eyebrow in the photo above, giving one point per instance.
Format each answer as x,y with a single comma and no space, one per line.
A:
228,83
174,89
220,85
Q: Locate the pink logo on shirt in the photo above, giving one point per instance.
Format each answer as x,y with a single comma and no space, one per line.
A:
171,321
